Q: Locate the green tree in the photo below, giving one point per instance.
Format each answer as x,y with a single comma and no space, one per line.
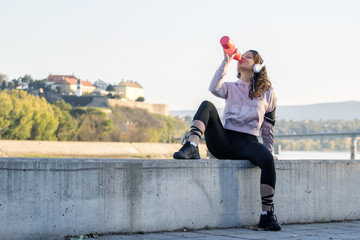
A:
3,85
25,79
93,124
26,117
21,117
67,124
3,81
37,84
140,99
6,106
45,123
138,125
110,88
13,84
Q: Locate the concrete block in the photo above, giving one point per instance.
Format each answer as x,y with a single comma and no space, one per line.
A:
52,198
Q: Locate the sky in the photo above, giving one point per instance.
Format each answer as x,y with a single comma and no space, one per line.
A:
172,47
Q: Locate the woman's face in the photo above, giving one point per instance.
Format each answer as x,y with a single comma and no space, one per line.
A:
247,62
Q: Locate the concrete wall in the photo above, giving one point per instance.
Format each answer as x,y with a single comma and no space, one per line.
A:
51,198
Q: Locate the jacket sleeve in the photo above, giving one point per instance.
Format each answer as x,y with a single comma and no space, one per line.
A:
267,128
217,85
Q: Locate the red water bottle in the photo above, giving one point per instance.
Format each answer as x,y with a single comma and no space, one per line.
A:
229,47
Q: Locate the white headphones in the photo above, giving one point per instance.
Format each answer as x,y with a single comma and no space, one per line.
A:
258,67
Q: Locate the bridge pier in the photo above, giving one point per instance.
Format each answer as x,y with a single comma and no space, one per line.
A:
353,147
277,149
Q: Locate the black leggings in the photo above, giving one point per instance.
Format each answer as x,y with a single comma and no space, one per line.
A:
226,144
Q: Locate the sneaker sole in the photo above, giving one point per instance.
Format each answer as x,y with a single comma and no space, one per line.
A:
180,156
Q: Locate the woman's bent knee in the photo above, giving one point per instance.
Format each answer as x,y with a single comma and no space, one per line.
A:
205,111
207,104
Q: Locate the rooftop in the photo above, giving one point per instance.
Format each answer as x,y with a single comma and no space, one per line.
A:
130,84
67,79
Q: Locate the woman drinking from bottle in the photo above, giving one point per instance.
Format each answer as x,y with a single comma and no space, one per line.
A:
250,104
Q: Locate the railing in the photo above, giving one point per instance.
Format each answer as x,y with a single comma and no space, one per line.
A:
354,137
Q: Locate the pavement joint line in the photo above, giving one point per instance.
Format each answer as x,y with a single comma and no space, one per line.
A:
243,233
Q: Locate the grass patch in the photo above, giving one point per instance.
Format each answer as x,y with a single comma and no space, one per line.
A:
40,156
141,156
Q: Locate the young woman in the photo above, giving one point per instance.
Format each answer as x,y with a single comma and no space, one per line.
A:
250,104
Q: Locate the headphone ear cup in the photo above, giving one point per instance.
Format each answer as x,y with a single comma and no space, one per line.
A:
257,68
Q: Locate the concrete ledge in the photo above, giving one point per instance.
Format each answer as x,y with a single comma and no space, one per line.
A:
52,198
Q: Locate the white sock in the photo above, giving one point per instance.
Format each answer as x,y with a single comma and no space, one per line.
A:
194,144
264,213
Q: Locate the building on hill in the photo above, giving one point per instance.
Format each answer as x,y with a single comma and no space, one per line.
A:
101,84
67,84
130,90
100,92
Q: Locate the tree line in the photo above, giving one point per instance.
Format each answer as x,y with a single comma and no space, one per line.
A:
138,125
27,117
17,83
316,143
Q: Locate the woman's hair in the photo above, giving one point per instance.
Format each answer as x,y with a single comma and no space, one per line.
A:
261,80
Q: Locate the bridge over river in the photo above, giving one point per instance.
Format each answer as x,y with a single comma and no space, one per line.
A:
353,135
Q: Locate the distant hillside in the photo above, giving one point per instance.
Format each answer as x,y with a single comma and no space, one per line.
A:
322,111
182,113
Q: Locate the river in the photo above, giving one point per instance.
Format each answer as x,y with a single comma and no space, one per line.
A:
298,155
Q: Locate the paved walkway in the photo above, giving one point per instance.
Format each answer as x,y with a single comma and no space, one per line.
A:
329,231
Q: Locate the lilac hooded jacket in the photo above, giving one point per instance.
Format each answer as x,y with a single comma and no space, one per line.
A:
241,113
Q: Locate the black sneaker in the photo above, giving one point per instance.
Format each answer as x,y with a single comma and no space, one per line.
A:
188,151
269,222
